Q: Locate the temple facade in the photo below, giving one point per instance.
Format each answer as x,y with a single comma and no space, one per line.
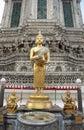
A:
61,24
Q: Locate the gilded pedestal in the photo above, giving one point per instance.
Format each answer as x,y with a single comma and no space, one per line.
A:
39,101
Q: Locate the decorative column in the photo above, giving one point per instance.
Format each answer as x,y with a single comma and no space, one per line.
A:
22,16
4,14
2,85
2,113
55,10
34,9
77,14
79,95
30,10
61,13
8,13
50,9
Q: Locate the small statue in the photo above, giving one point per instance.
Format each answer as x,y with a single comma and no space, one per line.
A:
69,104
12,102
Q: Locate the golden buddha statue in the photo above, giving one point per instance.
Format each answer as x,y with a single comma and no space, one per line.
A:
69,104
12,102
39,56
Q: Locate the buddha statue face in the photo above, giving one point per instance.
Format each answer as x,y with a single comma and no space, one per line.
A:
68,93
13,93
39,39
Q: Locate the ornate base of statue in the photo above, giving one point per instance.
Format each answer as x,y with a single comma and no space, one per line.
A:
69,111
39,101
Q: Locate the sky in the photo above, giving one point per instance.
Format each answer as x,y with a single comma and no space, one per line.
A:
2,8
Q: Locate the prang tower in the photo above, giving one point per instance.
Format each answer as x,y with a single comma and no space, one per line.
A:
60,22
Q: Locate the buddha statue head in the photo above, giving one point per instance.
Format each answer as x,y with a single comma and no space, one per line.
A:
39,38
68,93
13,93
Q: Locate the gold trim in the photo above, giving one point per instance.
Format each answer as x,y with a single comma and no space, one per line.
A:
78,119
1,118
